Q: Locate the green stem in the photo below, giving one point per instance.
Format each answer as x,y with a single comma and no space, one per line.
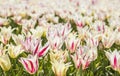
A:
5,73
79,72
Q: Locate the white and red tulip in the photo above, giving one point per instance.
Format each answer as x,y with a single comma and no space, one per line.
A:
114,58
83,56
54,39
34,46
109,38
72,42
30,63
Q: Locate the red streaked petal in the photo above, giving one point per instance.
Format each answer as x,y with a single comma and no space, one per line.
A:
115,62
42,51
36,49
25,64
32,69
72,46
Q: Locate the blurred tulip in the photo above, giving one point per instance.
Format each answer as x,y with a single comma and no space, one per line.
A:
114,58
3,21
38,31
14,51
64,30
30,63
54,39
5,62
92,41
60,68
108,38
84,56
5,33
72,42
59,55
42,50
18,38
77,60
34,46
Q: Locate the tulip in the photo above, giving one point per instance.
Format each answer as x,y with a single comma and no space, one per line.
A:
2,21
60,68
77,60
38,32
64,30
54,39
59,55
42,51
92,41
83,56
114,58
30,63
5,62
18,38
72,42
108,38
14,51
5,33
83,32
99,27
33,46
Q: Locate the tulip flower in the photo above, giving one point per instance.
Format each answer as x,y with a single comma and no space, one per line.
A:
83,32
117,41
72,42
54,39
4,59
83,56
59,55
60,68
114,58
38,31
34,46
2,21
18,38
5,34
77,60
14,51
42,51
5,62
30,63
92,41
64,30
108,39
99,26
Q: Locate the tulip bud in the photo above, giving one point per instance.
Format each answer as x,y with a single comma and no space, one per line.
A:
5,62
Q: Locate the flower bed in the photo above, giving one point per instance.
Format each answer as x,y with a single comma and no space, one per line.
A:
59,38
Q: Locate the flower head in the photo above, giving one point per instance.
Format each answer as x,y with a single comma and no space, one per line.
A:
30,63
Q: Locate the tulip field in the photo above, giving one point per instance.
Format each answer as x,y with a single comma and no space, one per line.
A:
59,37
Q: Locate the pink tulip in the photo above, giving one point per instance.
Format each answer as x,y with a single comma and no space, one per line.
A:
30,63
